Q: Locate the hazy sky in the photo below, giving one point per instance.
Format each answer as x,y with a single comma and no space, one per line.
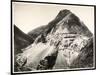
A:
28,16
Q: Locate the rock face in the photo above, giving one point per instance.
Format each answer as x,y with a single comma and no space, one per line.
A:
64,43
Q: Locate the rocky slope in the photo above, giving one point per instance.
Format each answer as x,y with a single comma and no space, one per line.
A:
21,40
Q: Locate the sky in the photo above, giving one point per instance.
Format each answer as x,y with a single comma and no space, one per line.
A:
28,16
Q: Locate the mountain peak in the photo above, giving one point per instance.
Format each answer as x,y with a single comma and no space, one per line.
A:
64,12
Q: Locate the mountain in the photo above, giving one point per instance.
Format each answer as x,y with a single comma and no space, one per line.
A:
47,28
21,40
73,21
63,43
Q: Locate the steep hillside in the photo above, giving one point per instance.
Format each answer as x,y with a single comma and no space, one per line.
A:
21,40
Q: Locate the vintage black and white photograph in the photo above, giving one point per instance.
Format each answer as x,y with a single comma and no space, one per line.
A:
52,37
